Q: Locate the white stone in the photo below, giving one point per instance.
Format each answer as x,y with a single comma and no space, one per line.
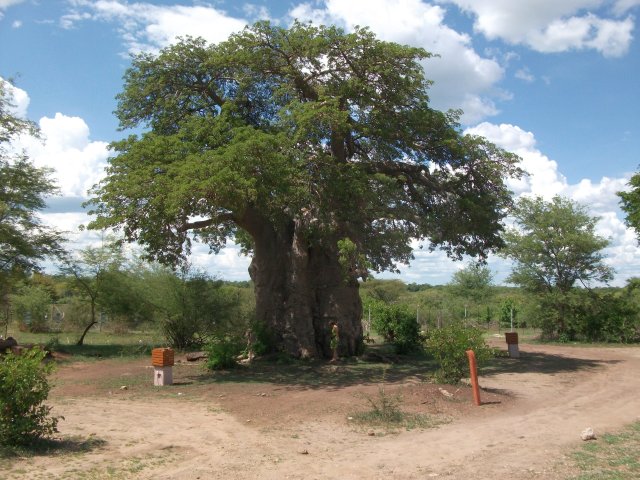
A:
445,392
588,434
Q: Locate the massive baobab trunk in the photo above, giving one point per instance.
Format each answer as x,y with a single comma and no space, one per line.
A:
300,289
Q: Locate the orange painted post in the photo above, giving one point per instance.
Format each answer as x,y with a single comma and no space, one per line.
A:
473,368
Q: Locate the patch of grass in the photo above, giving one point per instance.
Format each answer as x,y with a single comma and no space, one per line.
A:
108,350
385,413
610,457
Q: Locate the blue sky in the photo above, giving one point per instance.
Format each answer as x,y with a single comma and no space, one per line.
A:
554,81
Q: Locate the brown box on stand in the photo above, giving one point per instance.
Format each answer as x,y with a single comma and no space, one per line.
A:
162,357
511,337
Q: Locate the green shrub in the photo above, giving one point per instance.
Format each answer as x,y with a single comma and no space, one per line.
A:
398,325
23,389
448,345
223,353
589,316
261,339
32,302
605,317
53,344
386,412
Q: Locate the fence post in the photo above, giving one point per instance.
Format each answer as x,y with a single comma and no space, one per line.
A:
473,369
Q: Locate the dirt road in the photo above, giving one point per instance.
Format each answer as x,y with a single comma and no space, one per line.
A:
534,411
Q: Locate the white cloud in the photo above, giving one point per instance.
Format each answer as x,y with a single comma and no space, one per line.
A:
612,38
463,78
623,6
600,197
18,99
553,26
64,146
544,178
258,12
148,27
78,162
4,4
525,75
229,264
69,222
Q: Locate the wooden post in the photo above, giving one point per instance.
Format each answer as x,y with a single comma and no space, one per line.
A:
473,369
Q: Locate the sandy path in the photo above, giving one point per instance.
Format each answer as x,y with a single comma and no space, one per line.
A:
187,438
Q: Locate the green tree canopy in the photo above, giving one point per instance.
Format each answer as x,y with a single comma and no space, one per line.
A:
297,142
472,282
554,245
630,203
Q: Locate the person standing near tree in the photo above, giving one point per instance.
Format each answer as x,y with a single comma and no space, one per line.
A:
335,341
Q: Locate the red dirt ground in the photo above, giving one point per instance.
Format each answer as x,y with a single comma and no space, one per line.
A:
279,422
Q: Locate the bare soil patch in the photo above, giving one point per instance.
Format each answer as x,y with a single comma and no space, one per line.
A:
277,422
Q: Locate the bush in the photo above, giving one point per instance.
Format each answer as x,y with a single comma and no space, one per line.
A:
448,345
223,353
398,325
196,309
32,302
590,316
260,341
386,412
604,317
23,389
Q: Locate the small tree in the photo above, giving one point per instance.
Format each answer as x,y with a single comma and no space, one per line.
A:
193,308
23,389
90,270
449,344
554,246
508,313
472,282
